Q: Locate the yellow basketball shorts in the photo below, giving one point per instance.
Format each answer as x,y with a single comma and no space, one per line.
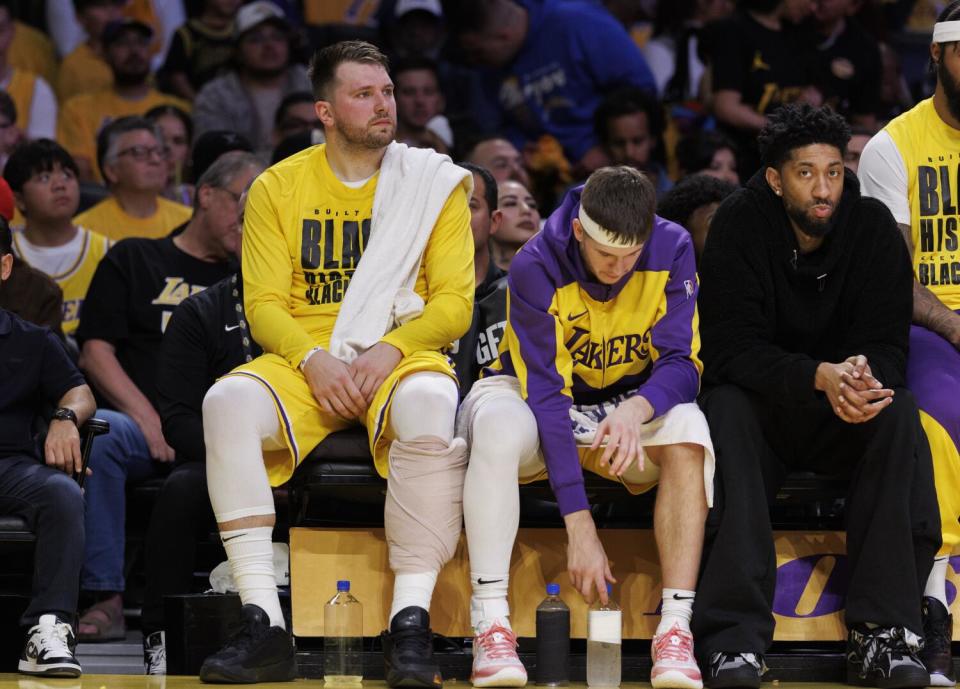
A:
305,425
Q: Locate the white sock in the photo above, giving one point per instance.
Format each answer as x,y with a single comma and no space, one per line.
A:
677,609
412,589
489,599
937,581
250,552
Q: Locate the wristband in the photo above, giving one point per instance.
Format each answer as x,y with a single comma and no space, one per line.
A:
306,357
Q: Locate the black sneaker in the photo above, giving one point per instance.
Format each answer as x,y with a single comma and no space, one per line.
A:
49,650
155,653
734,670
408,651
256,653
937,635
884,657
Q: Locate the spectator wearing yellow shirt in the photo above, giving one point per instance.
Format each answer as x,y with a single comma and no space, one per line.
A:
132,159
32,51
36,104
84,70
126,46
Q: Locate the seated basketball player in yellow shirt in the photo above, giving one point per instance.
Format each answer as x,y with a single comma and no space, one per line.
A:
131,155
309,219
43,178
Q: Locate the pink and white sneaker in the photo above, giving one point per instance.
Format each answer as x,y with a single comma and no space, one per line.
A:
673,663
495,660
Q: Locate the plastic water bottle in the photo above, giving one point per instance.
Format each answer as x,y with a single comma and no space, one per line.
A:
343,639
604,636
553,639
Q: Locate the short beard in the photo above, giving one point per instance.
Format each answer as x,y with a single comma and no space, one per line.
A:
951,90
130,79
362,137
808,225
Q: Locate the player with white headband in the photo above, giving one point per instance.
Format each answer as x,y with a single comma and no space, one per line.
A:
598,370
912,166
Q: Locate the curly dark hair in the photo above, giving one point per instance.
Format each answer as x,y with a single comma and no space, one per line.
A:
691,193
797,125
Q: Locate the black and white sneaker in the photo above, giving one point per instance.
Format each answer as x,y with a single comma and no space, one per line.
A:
734,670
49,650
885,657
257,653
937,635
155,653
408,651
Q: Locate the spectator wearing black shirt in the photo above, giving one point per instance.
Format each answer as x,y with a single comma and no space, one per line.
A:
206,338
756,63
131,299
35,484
479,346
200,49
847,69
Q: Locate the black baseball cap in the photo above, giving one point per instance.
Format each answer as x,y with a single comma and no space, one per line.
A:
211,145
116,29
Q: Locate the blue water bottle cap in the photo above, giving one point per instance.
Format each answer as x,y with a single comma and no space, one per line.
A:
609,589
343,585
553,589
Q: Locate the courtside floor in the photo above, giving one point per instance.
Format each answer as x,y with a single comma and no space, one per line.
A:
136,682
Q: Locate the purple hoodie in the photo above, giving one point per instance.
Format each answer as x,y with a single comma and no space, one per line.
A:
571,339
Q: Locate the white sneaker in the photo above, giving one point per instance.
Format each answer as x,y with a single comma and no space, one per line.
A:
48,650
155,653
673,663
495,660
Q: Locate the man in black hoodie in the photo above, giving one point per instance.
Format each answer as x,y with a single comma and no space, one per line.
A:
805,309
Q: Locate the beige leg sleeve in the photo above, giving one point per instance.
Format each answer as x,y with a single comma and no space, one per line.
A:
424,510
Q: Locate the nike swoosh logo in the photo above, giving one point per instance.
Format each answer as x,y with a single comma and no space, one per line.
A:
676,597
571,317
228,328
481,582
232,537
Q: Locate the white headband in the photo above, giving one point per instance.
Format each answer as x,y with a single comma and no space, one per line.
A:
601,235
945,32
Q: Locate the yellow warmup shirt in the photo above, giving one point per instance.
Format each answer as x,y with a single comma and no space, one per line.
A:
82,71
75,280
110,220
304,233
913,166
82,117
32,51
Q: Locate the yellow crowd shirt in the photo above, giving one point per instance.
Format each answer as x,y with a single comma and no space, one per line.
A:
913,166
32,51
75,279
110,220
304,234
82,117
20,90
82,71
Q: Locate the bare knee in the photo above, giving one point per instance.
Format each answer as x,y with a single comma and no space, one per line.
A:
680,457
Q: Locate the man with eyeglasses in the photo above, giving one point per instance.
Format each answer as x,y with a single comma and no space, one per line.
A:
126,48
134,292
131,155
246,99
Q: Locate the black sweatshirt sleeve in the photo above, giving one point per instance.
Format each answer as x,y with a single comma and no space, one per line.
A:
880,320
737,313
182,382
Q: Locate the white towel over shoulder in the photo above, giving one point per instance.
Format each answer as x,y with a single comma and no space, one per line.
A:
413,187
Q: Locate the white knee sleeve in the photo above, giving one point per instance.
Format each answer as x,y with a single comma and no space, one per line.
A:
239,418
504,436
425,404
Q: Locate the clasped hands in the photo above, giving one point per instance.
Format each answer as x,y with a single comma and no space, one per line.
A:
854,394
347,391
